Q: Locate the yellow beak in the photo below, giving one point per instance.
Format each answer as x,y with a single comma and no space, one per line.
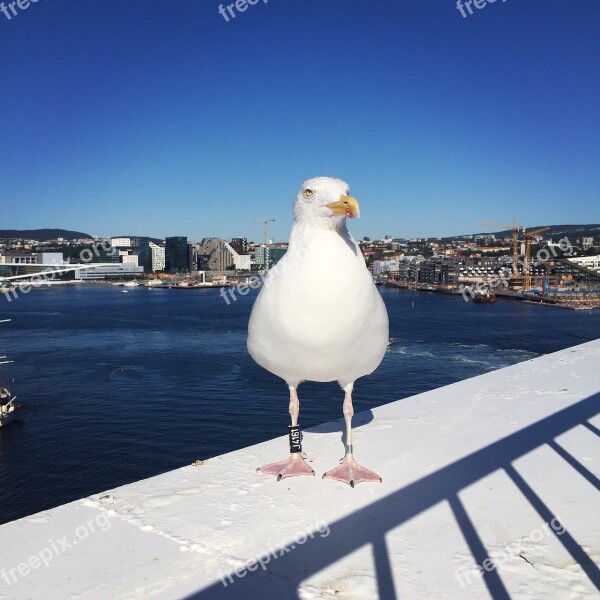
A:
347,206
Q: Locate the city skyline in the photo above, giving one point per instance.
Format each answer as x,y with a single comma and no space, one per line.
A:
579,229
143,116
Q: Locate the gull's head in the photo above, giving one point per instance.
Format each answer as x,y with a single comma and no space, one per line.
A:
325,199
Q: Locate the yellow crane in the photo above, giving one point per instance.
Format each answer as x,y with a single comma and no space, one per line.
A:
515,241
527,261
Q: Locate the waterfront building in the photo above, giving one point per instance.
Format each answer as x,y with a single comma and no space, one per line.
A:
570,273
32,258
241,261
192,257
158,257
588,262
215,254
204,251
129,259
261,256
118,270
430,272
134,245
240,245
207,245
15,262
452,271
408,268
141,248
177,255
221,259
266,257
386,268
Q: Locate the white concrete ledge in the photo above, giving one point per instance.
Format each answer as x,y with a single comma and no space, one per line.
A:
490,490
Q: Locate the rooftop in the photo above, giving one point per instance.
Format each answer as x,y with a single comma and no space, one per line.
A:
490,490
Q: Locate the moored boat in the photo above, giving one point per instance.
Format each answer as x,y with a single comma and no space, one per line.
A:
484,298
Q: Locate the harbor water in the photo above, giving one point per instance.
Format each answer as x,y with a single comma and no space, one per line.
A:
122,386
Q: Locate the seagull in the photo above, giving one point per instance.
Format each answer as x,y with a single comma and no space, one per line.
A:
319,317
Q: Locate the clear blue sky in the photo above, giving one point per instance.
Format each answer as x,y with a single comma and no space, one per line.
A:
160,118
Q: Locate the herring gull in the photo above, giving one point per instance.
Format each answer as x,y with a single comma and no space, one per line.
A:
319,316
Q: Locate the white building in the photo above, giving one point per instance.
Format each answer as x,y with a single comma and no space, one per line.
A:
129,259
241,262
33,258
51,258
158,257
120,242
385,267
104,271
590,262
587,242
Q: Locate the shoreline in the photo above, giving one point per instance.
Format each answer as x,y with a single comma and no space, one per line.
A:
538,300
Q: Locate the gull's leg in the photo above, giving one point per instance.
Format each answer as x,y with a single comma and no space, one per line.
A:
294,465
350,471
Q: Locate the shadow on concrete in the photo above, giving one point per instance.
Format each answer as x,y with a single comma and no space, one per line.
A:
358,420
369,525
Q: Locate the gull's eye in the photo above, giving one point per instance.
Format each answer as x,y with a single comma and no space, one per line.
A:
309,193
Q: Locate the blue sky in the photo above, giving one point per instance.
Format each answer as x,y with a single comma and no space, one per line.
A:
160,118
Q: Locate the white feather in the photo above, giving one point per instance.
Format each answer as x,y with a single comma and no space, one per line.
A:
319,316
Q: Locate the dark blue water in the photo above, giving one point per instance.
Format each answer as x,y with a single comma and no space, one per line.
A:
119,387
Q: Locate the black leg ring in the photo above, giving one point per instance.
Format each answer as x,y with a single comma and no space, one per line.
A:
294,434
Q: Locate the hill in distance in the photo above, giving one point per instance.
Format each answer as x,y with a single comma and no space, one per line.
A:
42,235
555,231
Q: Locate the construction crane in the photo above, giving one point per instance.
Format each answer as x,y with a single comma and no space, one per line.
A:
265,222
515,241
527,261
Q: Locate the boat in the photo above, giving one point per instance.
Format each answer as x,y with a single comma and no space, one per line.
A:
155,283
8,406
484,298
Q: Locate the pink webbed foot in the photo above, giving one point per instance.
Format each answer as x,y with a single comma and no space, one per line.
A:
293,466
351,472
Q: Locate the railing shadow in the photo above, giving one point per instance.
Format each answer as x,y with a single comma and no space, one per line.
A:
369,525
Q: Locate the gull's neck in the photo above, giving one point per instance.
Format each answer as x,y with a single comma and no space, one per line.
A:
305,226
303,230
